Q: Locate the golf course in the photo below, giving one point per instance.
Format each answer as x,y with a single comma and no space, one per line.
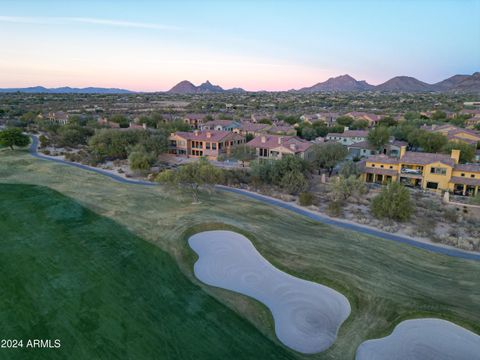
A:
106,268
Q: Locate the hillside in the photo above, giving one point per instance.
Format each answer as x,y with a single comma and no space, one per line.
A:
186,87
339,83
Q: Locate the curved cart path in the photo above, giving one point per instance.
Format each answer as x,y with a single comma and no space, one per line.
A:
450,251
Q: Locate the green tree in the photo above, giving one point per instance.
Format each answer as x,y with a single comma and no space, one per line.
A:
13,137
393,202
387,121
327,156
192,177
243,153
140,159
431,142
121,120
344,121
359,124
294,182
349,168
308,133
467,151
378,137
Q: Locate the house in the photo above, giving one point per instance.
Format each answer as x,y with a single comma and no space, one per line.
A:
373,119
282,130
194,120
220,125
132,125
454,133
250,128
424,171
107,123
208,143
348,137
363,149
328,118
58,117
275,146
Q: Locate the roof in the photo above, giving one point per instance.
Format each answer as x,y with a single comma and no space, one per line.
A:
467,167
362,145
275,141
383,159
412,157
351,133
220,122
215,135
380,171
465,180
249,126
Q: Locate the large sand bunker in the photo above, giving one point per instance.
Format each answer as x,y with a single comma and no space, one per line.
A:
307,315
423,339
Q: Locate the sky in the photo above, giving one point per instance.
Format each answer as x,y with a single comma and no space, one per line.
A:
257,45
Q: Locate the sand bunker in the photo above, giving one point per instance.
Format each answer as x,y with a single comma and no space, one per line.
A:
307,315
423,339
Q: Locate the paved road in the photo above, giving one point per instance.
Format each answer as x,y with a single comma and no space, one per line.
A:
268,200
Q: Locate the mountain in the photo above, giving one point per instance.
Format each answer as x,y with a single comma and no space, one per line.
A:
404,84
186,87
450,83
183,87
339,83
469,84
67,90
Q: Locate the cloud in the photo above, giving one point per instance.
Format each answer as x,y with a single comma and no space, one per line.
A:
84,20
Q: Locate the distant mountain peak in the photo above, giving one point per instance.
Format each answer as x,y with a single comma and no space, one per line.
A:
186,87
340,83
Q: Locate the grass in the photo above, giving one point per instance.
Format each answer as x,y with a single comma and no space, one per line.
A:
104,292
385,282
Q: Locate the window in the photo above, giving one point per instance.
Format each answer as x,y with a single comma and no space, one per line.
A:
207,145
462,174
391,167
381,166
373,165
432,185
438,171
472,176
214,146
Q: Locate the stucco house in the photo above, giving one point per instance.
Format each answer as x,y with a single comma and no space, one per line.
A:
275,146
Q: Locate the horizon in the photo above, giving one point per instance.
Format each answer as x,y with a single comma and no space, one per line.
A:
255,46
211,82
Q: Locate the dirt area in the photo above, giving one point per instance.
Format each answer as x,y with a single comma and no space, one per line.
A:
433,221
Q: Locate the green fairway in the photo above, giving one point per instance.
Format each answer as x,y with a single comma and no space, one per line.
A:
385,282
72,275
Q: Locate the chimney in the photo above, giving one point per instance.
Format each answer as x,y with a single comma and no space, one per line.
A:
144,125
455,155
403,150
209,134
280,138
293,147
346,128
263,139
195,133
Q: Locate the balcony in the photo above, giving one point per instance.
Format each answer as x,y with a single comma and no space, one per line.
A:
411,173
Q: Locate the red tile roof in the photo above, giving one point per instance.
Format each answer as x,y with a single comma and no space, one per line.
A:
465,180
411,157
467,167
208,135
293,143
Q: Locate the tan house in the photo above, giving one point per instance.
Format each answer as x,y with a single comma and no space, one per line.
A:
424,171
194,120
275,146
373,119
208,143
348,137
454,133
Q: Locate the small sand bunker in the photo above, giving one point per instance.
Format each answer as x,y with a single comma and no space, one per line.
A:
423,339
307,315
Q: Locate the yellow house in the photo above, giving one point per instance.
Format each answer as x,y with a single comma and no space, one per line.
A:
424,171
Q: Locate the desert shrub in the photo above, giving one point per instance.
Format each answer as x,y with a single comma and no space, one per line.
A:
450,215
393,202
305,199
335,208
